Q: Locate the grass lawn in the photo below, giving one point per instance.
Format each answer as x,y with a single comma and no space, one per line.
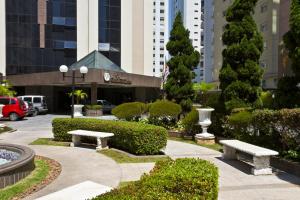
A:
120,157
5,129
35,178
49,141
216,147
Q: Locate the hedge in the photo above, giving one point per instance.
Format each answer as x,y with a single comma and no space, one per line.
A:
183,179
278,130
129,111
136,138
164,113
163,108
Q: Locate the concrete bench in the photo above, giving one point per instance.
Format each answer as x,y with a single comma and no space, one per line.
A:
101,137
261,156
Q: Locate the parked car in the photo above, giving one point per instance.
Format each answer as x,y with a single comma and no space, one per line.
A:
106,106
31,112
14,108
39,103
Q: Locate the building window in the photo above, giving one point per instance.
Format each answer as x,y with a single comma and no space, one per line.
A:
264,8
263,27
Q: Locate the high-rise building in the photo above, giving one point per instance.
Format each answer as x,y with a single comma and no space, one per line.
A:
267,18
193,19
208,40
160,35
111,37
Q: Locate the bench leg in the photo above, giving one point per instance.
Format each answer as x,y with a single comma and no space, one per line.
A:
261,165
101,143
75,141
229,153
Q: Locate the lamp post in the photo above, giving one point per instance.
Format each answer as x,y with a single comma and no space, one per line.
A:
64,69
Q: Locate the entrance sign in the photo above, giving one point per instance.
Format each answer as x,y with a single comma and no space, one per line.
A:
115,78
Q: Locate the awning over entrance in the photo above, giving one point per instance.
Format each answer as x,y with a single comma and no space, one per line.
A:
96,60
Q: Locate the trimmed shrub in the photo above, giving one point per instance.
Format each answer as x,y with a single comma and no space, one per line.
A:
180,179
267,99
190,122
278,130
164,113
129,111
136,138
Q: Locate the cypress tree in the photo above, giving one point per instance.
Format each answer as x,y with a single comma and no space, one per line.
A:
184,60
240,75
292,38
288,95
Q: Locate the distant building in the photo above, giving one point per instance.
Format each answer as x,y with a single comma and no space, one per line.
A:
37,36
160,35
271,17
193,19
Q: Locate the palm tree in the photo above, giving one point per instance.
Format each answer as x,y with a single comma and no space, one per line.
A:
79,94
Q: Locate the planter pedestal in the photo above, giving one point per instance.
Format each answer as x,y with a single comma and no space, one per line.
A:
205,122
205,139
78,110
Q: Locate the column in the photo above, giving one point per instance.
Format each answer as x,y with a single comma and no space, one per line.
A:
94,93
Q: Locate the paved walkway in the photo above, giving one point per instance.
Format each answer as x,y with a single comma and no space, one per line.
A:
80,164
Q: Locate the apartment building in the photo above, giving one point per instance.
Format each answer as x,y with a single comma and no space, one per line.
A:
108,36
160,35
267,17
193,19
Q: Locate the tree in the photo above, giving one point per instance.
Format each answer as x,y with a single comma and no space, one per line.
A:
240,75
79,94
6,89
288,95
185,58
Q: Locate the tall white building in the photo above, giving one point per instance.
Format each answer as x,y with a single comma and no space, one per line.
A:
160,35
193,18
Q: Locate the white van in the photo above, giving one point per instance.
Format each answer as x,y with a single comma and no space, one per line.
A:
39,103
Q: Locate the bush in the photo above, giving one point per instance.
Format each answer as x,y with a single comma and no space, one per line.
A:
278,130
129,111
164,113
267,99
190,122
136,138
180,179
93,107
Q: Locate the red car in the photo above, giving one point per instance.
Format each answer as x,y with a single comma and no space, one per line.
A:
14,108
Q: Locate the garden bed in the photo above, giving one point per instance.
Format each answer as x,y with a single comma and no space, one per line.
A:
179,179
46,171
286,165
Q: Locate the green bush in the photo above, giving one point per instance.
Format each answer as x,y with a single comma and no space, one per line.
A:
267,99
278,130
129,111
136,138
164,113
190,122
93,107
183,179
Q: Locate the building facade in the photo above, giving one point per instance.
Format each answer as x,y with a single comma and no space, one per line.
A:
208,40
269,23
193,19
38,36
160,35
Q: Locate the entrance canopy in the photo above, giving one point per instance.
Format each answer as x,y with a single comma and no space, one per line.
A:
96,60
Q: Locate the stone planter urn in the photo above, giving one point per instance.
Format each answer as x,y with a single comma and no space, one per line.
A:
205,122
78,110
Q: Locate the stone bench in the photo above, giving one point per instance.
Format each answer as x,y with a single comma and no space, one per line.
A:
261,156
101,137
